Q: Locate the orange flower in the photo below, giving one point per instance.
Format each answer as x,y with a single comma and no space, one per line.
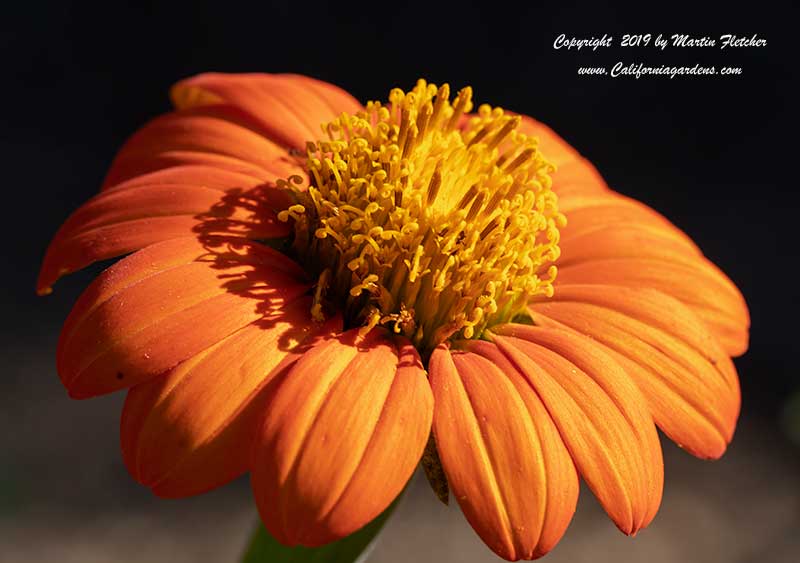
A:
424,269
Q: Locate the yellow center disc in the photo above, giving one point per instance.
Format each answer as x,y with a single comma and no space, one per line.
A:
425,220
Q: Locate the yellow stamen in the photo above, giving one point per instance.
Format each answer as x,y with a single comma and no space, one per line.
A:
426,221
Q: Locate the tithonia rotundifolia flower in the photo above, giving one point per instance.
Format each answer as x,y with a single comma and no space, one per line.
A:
320,294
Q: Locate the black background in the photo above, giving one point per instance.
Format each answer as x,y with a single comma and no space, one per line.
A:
717,155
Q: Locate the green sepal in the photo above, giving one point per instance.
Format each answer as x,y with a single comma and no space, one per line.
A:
263,548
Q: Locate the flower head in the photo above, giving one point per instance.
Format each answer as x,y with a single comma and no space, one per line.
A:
317,291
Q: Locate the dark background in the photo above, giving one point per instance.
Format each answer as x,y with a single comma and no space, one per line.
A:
717,155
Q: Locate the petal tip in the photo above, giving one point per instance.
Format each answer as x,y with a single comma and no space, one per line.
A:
41,291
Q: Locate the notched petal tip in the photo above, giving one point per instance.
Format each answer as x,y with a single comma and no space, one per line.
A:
684,373
341,436
504,459
614,240
600,414
181,436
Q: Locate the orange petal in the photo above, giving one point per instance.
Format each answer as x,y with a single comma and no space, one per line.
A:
587,212
615,240
574,174
206,172
624,240
221,132
505,462
191,430
123,220
630,241
699,285
689,382
342,435
190,166
166,303
288,108
601,416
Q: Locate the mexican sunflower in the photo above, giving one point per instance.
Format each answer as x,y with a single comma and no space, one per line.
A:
318,293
